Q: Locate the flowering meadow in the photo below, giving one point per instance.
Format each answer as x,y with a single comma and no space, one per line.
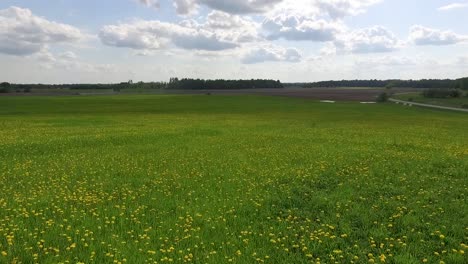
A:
230,179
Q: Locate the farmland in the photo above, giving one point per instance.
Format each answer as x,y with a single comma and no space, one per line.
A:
339,93
221,179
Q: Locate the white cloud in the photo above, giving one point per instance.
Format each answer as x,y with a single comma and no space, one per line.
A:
232,27
222,20
342,8
130,36
293,27
202,41
240,6
22,33
150,3
334,9
68,55
375,39
186,7
69,61
151,35
220,31
452,6
271,53
420,35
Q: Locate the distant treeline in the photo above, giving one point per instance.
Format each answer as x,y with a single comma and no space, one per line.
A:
174,83
425,83
199,84
119,86
7,87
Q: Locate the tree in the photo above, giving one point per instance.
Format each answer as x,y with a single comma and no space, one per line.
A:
382,98
5,87
463,83
391,84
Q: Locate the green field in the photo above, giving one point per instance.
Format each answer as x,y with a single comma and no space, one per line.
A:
461,102
220,179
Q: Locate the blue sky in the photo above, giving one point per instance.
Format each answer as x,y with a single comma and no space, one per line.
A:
65,41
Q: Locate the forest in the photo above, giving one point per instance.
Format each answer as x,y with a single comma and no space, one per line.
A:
424,83
174,83
199,84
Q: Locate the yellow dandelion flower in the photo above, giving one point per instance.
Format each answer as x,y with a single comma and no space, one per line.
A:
382,258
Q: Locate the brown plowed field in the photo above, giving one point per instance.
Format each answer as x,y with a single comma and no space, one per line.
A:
335,94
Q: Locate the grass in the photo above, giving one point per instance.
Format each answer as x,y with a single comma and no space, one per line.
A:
219,179
461,102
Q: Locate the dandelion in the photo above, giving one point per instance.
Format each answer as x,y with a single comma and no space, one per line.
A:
382,258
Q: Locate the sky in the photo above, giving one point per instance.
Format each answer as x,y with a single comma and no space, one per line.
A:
109,41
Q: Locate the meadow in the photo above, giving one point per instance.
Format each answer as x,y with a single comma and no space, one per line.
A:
230,179
460,102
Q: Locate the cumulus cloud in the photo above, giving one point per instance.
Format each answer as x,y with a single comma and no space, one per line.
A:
420,35
133,36
342,8
271,53
240,6
233,27
150,3
22,33
375,39
201,41
334,9
293,27
220,31
453,6
223,20
185,7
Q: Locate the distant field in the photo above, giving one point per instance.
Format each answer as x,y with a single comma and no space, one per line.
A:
220,179
461,102
328,93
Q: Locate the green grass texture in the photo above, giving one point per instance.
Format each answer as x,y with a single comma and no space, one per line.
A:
230,179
